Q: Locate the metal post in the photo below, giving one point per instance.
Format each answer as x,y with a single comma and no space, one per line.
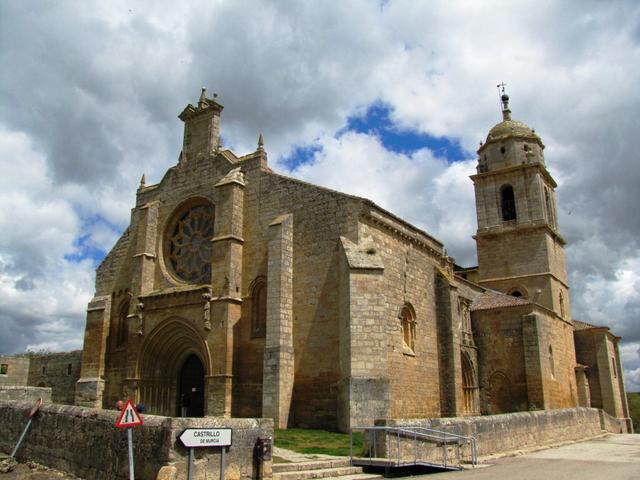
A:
222,454
398,447
130,442
24,432
190,470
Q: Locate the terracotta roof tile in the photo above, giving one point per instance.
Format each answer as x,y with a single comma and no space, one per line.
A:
491,299
578,325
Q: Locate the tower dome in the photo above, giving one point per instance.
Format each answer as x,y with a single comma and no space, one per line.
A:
509,143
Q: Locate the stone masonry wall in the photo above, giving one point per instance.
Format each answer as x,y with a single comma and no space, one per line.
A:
515,431
16,370
27,394
60,371
86,442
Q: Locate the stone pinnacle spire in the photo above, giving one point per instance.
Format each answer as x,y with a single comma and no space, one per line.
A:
504,98
260,142
202,101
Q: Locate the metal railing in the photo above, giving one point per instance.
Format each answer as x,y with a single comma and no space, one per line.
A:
413,445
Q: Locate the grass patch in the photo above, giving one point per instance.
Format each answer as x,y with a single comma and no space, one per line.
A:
633,399
317,441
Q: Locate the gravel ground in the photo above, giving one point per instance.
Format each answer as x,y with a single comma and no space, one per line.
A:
10,469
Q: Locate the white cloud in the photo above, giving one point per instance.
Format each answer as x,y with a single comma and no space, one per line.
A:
90,103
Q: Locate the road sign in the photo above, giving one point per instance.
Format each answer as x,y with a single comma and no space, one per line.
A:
206,437
129,417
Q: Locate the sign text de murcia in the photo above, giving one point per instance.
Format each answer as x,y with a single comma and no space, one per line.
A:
206,437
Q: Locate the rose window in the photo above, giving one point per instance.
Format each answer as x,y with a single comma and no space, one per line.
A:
189,243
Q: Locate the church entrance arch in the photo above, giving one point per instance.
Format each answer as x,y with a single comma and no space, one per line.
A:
191,382
174,361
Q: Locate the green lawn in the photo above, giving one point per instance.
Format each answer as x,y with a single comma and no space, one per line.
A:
317,441
634,409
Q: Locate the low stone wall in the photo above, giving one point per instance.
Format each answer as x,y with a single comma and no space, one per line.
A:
85,442
613,424
515,431
27,394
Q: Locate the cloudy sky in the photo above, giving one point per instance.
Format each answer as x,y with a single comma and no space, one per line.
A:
386,99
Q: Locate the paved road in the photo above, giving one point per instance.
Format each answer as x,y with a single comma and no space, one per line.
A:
614,457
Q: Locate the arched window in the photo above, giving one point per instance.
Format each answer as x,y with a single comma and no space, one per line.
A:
516,293
408,327
122,332
552,365
507,203
259,308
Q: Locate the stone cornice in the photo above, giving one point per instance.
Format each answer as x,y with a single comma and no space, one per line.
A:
514,168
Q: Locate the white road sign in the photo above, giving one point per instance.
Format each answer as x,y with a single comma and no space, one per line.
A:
206,437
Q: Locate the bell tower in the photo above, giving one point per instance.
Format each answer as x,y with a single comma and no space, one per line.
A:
520,250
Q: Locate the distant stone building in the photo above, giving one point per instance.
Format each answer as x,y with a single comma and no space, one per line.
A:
57,371
236,291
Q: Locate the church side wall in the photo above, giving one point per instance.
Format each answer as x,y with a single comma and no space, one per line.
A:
558,362
502,377
585,344
320,217
409,276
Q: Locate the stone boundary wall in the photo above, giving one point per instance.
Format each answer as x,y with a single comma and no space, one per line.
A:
85,442
519,431
612,424
27,394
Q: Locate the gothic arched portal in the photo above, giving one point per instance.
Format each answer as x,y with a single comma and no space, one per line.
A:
173,359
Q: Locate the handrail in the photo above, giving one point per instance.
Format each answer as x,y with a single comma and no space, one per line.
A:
416,433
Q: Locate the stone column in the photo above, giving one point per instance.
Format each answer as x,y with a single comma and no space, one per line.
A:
90,385
226,279
278,372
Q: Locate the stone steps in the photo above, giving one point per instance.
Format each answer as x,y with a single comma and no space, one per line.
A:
326,469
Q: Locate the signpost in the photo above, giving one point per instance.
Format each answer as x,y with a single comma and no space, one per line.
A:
30,414
206,437
129,417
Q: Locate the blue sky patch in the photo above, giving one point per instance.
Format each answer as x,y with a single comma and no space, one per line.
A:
377,121
85,246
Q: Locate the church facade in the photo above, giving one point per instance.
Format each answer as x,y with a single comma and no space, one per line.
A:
237,291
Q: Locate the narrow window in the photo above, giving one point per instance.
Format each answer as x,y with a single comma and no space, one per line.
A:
122,333
507,203
552,365
561,301
613,367
259,309
4,368
44,370
69,369
408,327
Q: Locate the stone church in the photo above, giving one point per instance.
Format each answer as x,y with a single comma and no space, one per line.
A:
237,291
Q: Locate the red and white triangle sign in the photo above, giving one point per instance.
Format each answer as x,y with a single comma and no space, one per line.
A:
129,416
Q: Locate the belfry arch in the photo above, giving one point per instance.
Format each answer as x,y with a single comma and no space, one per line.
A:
170,348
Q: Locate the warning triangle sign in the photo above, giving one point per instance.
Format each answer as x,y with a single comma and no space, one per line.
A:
129,417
